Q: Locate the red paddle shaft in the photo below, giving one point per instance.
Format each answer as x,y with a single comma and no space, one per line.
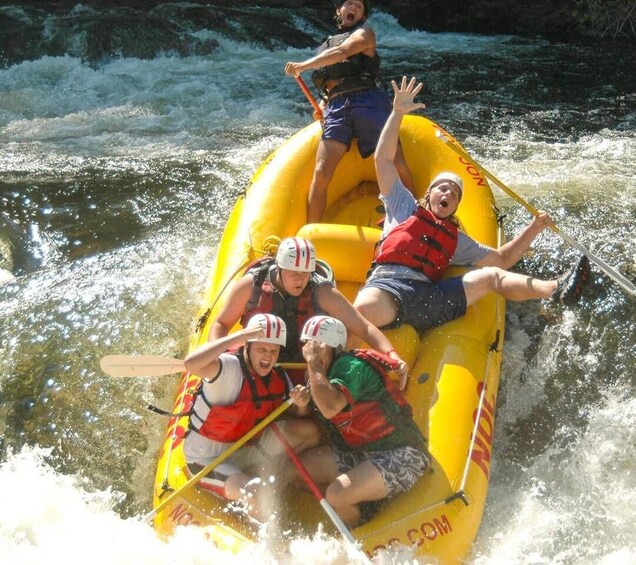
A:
309,96
313,487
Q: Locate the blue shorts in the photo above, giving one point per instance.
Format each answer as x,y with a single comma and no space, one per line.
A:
360,115
421,304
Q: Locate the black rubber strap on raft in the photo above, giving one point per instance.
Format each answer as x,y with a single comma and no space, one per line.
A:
494,346
157,410
459,494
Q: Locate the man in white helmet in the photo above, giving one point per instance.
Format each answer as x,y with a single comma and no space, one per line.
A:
377,450
240,386
421,239
291,288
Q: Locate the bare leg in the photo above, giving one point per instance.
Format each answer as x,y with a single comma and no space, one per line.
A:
251,492
377,306
363,482
328,156
235,485
512,286
321,466
345,490
302,433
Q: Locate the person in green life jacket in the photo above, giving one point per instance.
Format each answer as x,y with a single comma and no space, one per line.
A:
354,102
376,449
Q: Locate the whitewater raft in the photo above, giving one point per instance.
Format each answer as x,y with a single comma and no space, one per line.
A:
454,369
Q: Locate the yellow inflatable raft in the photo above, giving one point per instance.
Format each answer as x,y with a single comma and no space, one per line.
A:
454,369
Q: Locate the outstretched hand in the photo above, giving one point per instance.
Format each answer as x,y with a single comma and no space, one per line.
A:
541,221
404,94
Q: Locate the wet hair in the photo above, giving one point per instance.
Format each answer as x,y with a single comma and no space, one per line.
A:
425,202
337,17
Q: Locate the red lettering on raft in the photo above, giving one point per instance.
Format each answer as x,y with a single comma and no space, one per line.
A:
482,450
473,172
426,531
181,517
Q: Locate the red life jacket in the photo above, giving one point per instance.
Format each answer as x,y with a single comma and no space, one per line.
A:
423,242
258,397
294,310
369,421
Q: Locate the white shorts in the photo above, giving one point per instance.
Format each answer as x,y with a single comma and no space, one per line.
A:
254,458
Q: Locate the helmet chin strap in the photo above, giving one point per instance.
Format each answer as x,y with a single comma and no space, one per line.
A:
246,354
278,281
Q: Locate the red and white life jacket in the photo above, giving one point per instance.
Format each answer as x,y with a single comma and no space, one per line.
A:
258,397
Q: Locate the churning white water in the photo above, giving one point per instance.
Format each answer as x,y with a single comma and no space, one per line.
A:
115,183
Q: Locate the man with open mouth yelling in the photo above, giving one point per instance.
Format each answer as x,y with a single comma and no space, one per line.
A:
422,238
346,71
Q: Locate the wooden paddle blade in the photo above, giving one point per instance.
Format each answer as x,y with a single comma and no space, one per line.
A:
140,365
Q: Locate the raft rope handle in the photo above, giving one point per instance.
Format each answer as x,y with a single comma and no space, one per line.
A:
165,485
270,245
491,352
493,349
460,493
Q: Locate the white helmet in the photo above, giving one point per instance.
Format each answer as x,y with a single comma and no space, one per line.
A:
325,329
296,254
451,177
275,328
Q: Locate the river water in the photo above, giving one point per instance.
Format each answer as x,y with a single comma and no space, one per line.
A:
116,179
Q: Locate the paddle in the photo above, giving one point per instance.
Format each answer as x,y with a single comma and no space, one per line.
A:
309,96
140,365
609,271
346,534
222,457
154,365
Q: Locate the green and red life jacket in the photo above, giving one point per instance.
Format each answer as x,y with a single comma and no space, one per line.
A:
383,423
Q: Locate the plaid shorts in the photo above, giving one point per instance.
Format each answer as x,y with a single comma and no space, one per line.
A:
400,468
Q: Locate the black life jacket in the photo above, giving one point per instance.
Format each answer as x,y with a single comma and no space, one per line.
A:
423,242
356,73
294,310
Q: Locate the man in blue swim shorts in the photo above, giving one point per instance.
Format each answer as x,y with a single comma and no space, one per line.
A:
347,73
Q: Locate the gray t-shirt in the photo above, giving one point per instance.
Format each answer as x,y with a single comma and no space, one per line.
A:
400,205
